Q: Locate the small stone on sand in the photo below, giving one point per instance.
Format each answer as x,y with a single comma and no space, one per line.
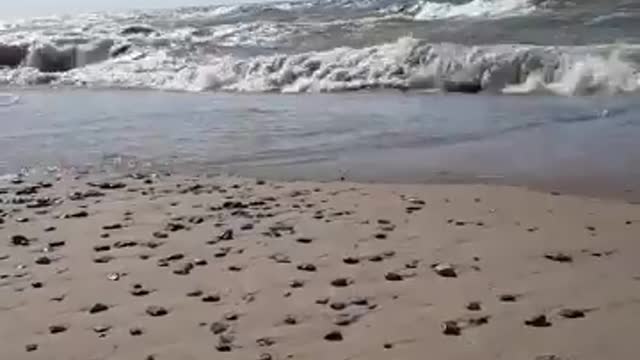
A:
136,331
307,267
572,313
445,270
156,311
334,335
393,276
474,306
218,327
57,329
538,321
451,328
98,308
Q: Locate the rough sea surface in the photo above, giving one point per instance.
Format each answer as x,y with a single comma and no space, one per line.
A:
498,46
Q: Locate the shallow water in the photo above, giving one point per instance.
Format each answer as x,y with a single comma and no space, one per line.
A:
391,136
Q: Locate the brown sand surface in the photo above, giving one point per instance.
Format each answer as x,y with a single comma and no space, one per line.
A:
231,268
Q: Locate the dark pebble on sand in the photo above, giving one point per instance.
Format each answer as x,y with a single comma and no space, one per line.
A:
322,301
211,298
246,227
474,306
290,320
101,248
103,259
20,240
195,293
307,267
508,298
136,331
304,240
451,328
380,236
351,260
334,336
538,321
56,244
265,342
31,347
97,308
57,329
184,269
160,235
218,327
392,276
572,313
37,285
338,305
226,235
445,270
43,260
559,257
296,284
156,311
340,282
115,226
76,215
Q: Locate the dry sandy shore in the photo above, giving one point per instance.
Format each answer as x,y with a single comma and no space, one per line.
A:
226,268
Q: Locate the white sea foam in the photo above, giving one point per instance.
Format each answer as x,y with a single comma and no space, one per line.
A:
476,8
405,64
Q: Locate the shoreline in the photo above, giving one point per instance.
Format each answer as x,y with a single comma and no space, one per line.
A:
180,267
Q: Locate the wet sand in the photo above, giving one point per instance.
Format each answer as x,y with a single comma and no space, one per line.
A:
197,268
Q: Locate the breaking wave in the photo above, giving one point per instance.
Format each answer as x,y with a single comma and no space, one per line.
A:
406,64
328,46
475,8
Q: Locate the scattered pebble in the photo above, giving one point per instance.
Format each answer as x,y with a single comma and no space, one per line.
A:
290,320
265,342
211,298
572,313
538,321
20,240
98,308
559,257
136,331
445,270
393,276
334,335
307,267
43,260
218,327
509,298
341,282
351,260
226,235
451,328
31,347
304,240
156,311
474,306
57,329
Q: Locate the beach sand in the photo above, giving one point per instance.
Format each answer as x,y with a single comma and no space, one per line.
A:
232,268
